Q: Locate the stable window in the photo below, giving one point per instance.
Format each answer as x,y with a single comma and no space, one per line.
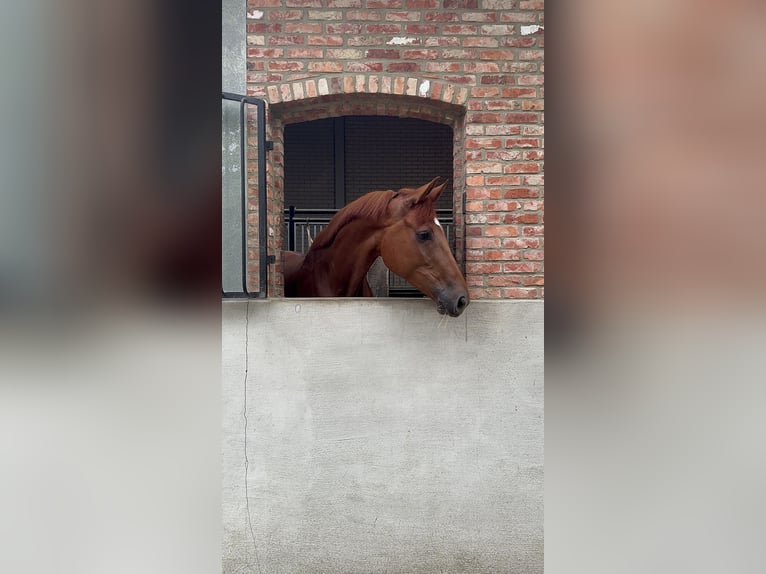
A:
331,162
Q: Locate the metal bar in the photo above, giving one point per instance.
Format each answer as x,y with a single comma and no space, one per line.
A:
291,230
243,189
262,221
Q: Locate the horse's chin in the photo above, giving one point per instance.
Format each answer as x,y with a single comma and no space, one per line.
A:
441,308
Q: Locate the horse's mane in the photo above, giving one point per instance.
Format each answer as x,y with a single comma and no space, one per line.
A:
370,206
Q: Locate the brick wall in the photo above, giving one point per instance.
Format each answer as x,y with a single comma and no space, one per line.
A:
475,65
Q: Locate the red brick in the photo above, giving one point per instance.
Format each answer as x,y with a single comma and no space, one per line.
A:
442,17
459,54
522,267
525,218
303,28
531,80
485,118
534,255
521,118
501,231
460,29
442,67
420,4
461,4
504,180
383,54
420,54
534,155
504,280
403,67
500,105
520,17
532,5
364,67
363,15
403,16
384,3
482,143
498,80
265,53
344,28
421,29
521,243
479,16
468,80
503,255
301,3
522,142
504,155
285,14
448,42
325,67
531,55
530,105
519,92
536,230
485,92
472,230
305,53
503,206
519,193
261,28
344,3
516,42
285,66
535,280
475,180
482,242
474,255
286,40
522,168
325,40
482,67
477,193
483,268
496,54
474,206
383,28
480,43
534,180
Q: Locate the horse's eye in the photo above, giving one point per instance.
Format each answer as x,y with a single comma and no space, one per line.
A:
423,235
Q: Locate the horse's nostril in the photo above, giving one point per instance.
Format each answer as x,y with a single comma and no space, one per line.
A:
461,302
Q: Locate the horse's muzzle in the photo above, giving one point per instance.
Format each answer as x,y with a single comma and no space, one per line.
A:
452,304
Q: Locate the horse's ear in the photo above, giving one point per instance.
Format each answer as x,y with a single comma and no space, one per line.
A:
424,190
435,192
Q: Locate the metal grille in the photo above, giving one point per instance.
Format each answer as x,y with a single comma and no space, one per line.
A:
303,225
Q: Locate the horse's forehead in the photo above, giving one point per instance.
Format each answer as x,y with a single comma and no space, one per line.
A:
422,214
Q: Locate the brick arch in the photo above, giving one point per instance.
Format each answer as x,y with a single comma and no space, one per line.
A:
319,98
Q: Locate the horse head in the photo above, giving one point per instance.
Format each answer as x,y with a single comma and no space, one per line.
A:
414,246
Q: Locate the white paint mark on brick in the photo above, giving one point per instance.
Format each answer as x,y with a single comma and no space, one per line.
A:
255,14
533,29
401,41
424,87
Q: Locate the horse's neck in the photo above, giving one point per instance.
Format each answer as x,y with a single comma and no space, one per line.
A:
341,267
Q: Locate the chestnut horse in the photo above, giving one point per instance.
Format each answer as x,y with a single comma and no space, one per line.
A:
400,226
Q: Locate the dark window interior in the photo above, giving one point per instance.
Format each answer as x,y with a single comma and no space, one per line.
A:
331,162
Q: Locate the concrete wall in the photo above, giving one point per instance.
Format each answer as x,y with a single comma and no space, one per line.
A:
233,74
366,436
